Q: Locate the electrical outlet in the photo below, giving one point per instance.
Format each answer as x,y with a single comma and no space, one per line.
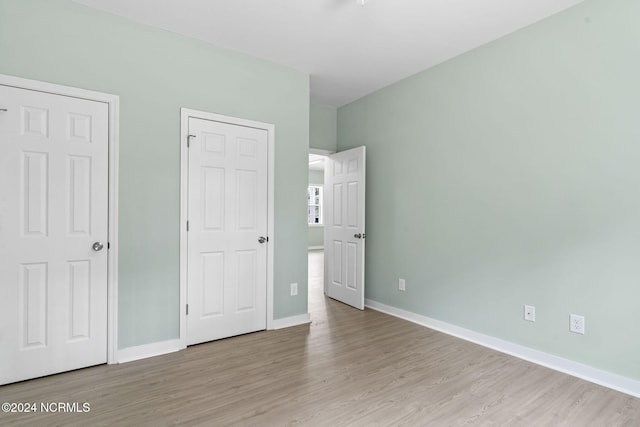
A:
294,289
530,313
402,285
576,324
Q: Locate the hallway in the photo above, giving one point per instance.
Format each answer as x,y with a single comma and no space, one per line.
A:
317,301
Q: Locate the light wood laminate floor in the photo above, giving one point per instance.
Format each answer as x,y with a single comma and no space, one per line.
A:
349,367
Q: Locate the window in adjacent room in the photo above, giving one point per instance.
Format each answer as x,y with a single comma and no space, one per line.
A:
314,202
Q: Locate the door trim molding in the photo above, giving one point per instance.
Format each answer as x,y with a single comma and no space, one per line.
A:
321,152
185,114
112,102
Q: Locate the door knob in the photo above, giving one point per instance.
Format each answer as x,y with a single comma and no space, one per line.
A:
97,246
358,236
263,239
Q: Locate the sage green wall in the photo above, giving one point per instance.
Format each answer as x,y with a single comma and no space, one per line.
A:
316,236
316,232
322,136
316,177
155,73
510,175
322,127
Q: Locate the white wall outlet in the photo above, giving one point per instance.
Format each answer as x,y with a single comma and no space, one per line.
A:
576,324
402,285
530,313
294,289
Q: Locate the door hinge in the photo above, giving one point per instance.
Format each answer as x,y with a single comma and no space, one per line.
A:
187,225
187,309
108,245
189,140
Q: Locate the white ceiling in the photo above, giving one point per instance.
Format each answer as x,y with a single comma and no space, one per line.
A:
348,50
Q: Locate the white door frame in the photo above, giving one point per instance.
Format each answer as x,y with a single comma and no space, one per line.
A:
185,114
321,152
112,256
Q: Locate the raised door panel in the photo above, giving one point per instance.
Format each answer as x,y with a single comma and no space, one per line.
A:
247,270
352,205
213,199
247,209
338,265
34,185
212,284
79,128
79,300
34,121
79,213
33,319
337,212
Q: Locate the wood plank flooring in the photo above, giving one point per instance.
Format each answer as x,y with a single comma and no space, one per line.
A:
348,368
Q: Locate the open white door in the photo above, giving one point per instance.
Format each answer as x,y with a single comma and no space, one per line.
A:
344,191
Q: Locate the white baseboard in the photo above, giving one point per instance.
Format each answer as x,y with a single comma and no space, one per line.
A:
316,248
287,322
585,372
130,354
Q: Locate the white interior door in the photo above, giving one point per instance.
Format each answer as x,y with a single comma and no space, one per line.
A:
344,192
227,235
53,233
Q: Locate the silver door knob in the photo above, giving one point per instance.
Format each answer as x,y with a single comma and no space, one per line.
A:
358,236
263,239
97,246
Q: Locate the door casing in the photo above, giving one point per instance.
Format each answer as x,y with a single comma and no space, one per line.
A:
185,113
112,257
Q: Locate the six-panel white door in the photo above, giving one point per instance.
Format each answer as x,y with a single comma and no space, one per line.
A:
227,214
53,208
344,212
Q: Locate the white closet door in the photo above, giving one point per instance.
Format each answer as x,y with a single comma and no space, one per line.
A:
227,211
53,233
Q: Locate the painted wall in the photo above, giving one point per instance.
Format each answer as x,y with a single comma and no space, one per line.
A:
509,176
322,136
316,232
322,127
155,73
316,177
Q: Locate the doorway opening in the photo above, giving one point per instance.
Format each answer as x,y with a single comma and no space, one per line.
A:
315,220
339,207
